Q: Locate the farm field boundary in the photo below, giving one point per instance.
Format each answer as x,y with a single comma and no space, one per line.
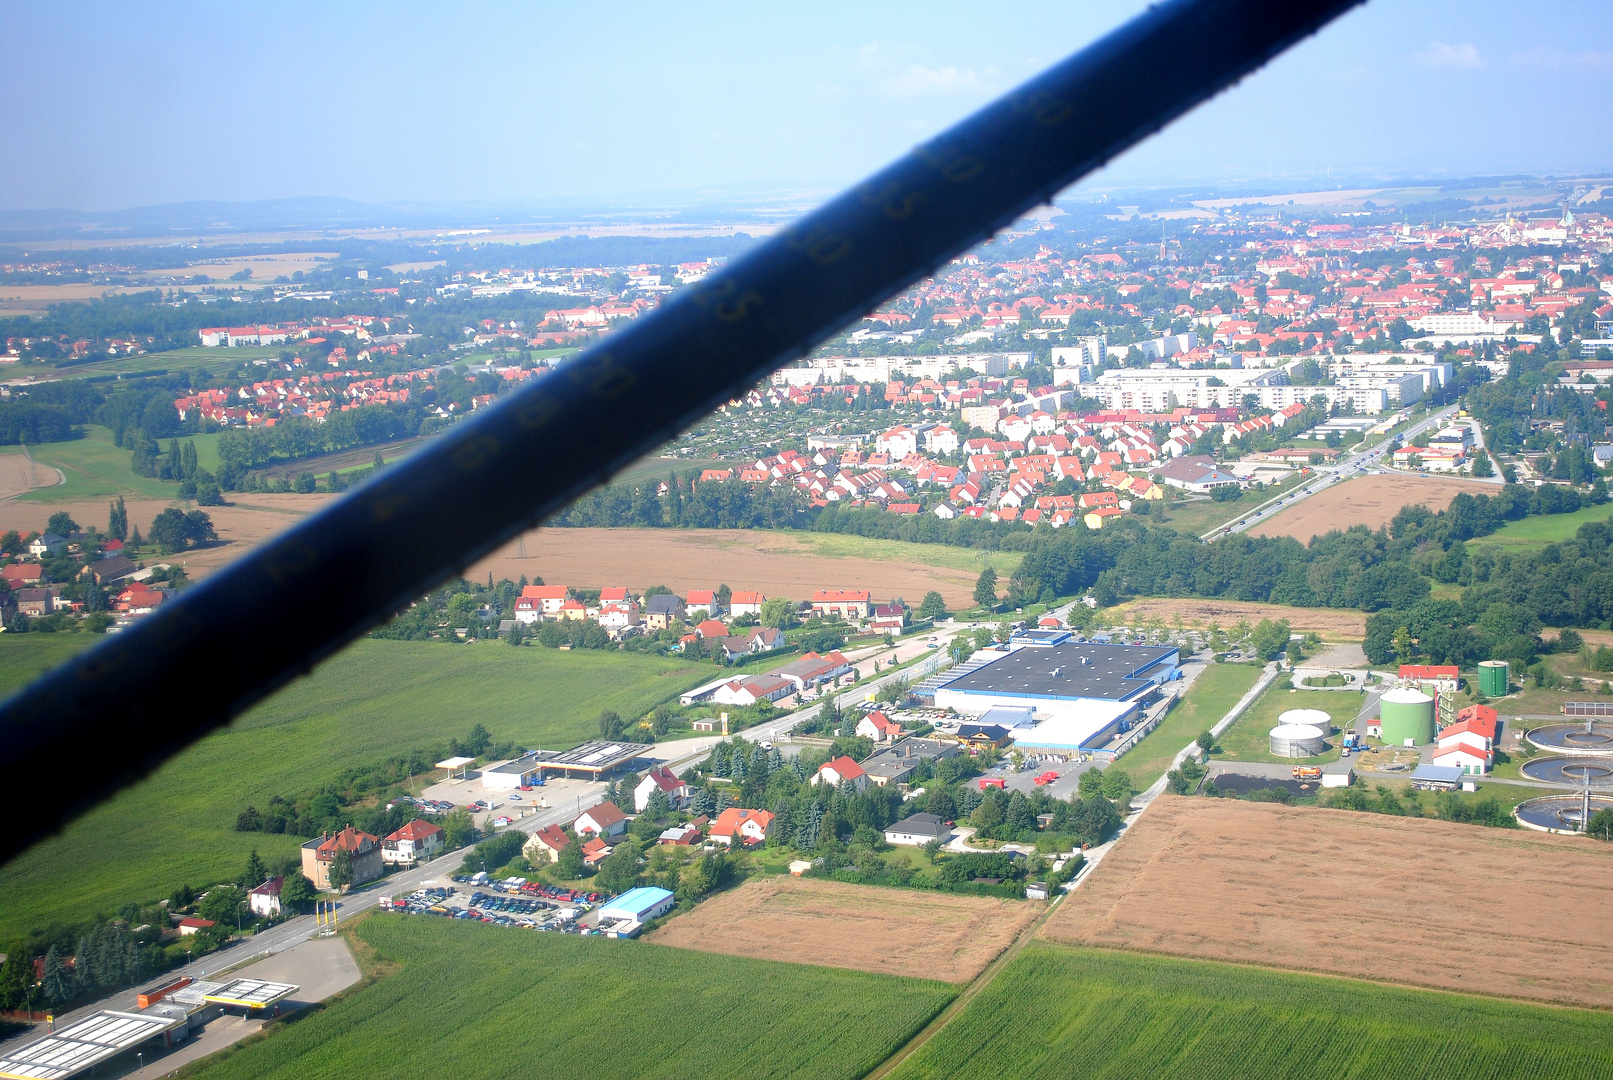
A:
1062,1011
886,930
1362,895
672,1007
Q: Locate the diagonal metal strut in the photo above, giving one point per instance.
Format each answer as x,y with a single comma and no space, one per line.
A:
134,701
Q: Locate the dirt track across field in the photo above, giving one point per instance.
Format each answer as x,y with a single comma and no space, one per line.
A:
1328,622
1400,900
1366,500
867,927
20,473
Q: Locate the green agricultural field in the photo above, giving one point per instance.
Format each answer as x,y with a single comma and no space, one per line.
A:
480,1001
847,546
96,468
1195,517
1214,692
1249,738
374,700
1532,533
174,361
1064,1012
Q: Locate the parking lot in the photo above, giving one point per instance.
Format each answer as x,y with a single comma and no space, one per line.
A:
516,903
488,807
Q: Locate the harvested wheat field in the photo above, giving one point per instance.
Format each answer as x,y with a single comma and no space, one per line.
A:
241,527
1366,500
1327,622
1400,900
20,474
683,559
777,564
833,924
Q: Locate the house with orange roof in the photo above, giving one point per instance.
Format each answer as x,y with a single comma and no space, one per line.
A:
605,819
746,603
1467,756
547,842
1474,731
701,602
879,727
417,840
851,605
842,770
752,827
711,628
667,782
363,849
548,597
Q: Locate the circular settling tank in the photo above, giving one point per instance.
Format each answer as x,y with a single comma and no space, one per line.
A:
1560,813
1297,740
1593,737
1575,772
1407,717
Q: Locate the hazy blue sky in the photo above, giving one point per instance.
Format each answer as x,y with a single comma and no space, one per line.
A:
117,105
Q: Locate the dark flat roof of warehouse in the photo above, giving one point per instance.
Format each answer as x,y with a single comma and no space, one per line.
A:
1108,671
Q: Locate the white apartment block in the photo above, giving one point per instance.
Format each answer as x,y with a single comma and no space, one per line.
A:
882,369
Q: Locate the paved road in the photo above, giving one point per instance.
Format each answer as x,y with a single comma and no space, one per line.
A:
1327,476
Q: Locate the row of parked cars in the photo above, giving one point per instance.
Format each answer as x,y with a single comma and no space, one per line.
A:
523,912
430,806
535,888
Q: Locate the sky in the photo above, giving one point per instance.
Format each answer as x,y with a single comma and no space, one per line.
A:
109,106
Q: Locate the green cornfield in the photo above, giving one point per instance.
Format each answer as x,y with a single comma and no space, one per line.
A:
1065,1012
373,700
468,1000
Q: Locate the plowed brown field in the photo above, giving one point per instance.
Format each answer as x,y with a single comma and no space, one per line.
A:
1366,500
1402,900
777,564
682,559
833,924
1328,622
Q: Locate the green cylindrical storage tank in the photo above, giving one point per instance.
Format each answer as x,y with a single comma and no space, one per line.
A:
1406,714
1493,678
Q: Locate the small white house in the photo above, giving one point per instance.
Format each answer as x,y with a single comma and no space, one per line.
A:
918,830
664,779
48,544
1468,757
415,841
842,770
606,819
265,899
879,727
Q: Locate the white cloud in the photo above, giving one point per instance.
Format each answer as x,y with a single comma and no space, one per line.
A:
1555,59
1440,55
918,80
